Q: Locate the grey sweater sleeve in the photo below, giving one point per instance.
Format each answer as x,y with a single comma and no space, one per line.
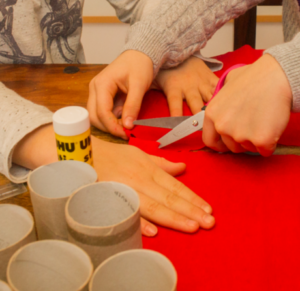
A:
18,117
288,56
169,31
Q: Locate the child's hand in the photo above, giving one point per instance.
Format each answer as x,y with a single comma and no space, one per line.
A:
164,200
192,80
130,74
251,111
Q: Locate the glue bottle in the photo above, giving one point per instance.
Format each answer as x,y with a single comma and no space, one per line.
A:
73,134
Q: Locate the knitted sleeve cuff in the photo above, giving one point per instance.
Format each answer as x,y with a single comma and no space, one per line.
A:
150,41
18,117
213,64
288,56
13,172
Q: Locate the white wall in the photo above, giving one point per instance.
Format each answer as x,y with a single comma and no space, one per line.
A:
104,42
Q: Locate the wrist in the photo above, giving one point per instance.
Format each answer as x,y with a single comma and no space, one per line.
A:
36,149
279,77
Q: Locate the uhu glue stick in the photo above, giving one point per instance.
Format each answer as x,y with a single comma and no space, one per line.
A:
73,134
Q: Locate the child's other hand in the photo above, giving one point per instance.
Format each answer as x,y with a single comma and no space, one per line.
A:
130,74
192,80
251,111
164,200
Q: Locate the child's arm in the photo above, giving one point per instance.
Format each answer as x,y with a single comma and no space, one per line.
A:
27,141
163,34
253,109
18,118
164,200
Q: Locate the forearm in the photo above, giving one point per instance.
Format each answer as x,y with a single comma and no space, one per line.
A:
176,29
36,149
18,118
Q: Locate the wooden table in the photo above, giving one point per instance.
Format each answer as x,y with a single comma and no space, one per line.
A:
51,86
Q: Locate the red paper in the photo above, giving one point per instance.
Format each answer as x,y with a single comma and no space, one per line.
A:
256,202
155,105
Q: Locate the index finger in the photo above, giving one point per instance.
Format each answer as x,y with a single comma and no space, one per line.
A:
133,104
179,189
105,93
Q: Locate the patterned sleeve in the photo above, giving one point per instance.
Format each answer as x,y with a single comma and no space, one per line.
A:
18,117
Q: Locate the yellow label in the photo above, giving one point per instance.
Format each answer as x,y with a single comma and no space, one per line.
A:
76,147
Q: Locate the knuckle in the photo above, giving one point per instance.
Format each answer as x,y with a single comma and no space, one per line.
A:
98,81
195,211
178,218
221,128
193,96
177,187
152,207
173,96
160,161
170,200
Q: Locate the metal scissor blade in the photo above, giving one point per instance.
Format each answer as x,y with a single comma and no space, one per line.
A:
184,129
163,122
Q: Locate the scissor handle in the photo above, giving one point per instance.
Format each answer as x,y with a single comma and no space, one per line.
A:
221,82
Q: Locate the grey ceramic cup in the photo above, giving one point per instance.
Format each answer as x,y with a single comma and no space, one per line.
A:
135,270
103,219
16,230
50,187
49,265
4,286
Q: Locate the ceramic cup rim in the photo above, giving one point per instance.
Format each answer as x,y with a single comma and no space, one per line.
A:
46,241
135,251
70,219
5,284
27,234
31,190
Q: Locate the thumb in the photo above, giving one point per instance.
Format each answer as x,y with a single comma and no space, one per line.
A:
171,168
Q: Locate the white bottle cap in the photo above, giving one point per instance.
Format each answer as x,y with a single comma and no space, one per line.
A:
70,121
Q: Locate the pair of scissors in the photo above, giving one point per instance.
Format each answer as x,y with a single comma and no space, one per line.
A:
182,126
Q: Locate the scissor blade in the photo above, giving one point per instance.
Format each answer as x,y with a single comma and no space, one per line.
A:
184,129
163,122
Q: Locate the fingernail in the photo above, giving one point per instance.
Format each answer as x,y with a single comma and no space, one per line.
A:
207,208
128,123
192,223
151,230
208,218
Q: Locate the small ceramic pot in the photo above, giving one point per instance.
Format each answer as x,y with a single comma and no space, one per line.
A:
4,286
50,187
103,219
135,270
49,265
16,230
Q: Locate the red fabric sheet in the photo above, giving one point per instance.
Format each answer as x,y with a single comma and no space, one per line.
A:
256,202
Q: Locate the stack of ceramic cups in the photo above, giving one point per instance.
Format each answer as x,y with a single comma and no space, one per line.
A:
81,226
